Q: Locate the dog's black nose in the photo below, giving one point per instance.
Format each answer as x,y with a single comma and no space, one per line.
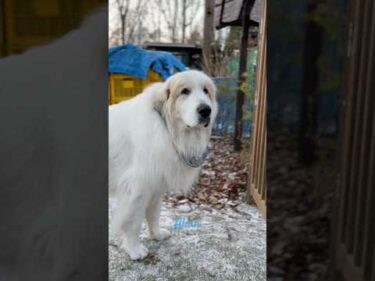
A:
204,110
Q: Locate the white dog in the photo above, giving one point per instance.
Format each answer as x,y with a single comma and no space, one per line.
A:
157,142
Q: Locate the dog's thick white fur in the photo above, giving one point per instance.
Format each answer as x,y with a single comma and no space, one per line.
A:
154,140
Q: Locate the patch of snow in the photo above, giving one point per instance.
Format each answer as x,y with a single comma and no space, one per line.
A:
185,208
226,246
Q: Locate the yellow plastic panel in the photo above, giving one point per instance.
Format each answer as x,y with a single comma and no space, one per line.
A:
46,8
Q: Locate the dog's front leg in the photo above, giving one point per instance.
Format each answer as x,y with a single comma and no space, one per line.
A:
152,217
127,222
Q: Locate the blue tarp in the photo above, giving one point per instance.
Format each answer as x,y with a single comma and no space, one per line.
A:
133,60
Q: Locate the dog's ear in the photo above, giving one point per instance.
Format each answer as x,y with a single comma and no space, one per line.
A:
161,97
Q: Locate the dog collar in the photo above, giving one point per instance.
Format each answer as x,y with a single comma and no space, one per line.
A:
193,162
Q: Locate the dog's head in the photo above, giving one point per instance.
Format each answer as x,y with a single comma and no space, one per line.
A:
189,97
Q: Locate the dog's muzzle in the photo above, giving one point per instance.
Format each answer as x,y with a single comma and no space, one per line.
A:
204,112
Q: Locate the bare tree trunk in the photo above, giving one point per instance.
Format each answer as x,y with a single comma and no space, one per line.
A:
208,35
184,7
175,18
248,4
159,31
122,29
123,9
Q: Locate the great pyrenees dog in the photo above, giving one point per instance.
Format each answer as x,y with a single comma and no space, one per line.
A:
157,142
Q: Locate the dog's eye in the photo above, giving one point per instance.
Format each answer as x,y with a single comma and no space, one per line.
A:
205,90
185,91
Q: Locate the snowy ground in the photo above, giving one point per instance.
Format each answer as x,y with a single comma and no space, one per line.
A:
226,244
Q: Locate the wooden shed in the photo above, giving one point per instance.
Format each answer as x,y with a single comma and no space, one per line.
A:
228,13
189,54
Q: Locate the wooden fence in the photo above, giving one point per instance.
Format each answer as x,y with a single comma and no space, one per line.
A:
258,145
355,249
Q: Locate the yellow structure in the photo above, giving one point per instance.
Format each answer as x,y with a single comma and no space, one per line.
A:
123,87
34,22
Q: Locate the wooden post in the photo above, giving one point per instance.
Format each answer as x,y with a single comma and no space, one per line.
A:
308,122
247,6
257,180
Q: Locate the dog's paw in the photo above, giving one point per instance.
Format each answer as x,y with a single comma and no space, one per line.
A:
161,234
138,253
